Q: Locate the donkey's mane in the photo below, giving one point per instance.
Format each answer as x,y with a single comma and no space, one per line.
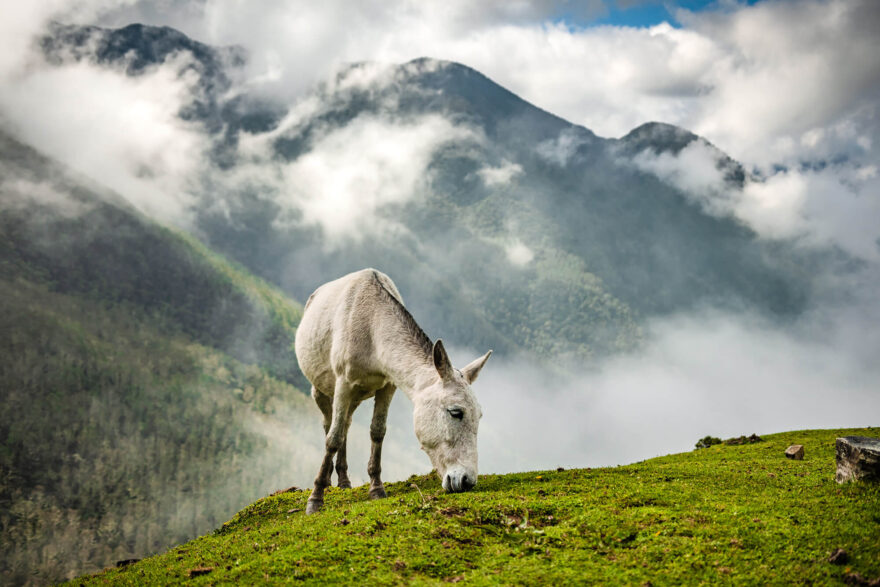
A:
412,327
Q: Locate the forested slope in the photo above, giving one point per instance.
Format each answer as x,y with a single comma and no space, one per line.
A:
139,376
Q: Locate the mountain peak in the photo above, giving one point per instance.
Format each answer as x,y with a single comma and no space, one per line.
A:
658,136
138,46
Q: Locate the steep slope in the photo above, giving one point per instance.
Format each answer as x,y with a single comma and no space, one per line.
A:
62,229
140,378
726,514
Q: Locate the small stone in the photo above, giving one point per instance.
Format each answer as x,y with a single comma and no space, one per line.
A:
854,578
126,562
858,457
198,571
288,490
838,557
795,452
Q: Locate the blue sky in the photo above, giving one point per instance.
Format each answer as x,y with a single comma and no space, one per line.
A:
645,13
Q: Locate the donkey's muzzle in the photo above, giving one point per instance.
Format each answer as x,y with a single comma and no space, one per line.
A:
458,481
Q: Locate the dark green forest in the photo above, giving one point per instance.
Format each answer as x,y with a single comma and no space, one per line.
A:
118,439
138,372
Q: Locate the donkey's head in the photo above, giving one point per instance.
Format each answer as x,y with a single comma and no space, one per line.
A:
446,416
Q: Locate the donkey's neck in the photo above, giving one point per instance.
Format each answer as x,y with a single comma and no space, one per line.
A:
404,350
409,369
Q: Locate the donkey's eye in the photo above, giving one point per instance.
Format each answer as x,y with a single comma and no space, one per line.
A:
456,413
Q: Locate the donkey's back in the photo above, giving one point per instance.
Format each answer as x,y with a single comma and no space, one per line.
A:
339,331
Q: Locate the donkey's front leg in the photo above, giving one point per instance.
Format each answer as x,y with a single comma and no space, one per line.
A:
335,437
377,435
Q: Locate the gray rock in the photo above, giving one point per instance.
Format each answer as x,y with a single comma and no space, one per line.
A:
858,457
795,451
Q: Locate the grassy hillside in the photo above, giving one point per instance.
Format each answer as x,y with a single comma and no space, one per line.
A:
726,514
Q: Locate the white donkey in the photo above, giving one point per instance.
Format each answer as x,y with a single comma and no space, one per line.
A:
356,340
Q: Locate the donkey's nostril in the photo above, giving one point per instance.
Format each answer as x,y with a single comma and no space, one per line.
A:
467,482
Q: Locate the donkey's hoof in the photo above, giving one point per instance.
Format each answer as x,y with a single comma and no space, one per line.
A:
314,506
344,484
378,493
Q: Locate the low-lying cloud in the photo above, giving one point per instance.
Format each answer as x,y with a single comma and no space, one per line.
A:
696,170
501,175
711,373
835,205
351,173
124,132
560,150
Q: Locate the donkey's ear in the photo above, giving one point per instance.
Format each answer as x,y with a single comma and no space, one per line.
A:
473,369
441,361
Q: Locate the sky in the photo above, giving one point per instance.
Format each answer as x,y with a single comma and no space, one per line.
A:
788,88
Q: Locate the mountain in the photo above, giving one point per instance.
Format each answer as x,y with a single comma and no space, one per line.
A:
140,377
526,233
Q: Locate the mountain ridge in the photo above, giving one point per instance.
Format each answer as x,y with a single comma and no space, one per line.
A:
636,246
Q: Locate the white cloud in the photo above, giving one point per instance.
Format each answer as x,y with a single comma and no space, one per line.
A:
122,131
827,207
712,373
694,170
817,69
343,182
708,374
501,175
518,253
837,205
19,192
560,150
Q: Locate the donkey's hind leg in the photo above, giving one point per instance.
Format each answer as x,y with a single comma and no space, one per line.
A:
341,403
325,403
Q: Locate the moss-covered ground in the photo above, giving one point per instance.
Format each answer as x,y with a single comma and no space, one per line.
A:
724,514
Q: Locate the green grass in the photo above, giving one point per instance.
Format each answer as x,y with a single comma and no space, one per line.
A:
725,514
